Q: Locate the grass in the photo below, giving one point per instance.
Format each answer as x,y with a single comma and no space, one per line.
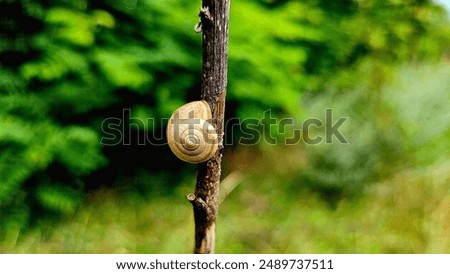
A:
406,213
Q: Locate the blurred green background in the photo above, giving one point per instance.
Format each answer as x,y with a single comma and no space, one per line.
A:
66,66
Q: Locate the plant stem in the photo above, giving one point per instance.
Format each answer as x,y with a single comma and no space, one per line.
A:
215,16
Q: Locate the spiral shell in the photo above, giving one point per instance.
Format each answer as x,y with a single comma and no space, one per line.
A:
190,136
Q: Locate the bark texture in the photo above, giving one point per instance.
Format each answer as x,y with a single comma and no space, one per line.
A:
214,16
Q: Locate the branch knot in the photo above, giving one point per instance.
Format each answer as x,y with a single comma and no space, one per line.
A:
205,20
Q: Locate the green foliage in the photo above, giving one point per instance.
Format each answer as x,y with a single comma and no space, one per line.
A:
419,101
404,125
66,66
59,199
407,213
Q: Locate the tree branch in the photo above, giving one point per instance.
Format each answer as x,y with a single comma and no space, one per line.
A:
214,17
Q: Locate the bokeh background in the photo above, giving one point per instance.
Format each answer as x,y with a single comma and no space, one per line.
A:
66,66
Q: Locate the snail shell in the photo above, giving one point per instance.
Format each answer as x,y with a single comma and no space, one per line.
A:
189,134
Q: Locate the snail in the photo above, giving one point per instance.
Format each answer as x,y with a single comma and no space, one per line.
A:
189,134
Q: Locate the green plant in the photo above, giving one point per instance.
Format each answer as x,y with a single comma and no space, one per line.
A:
66,66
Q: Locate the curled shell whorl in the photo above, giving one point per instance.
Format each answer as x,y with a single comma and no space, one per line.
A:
190,136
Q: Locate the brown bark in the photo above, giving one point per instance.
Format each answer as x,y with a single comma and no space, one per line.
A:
214,16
